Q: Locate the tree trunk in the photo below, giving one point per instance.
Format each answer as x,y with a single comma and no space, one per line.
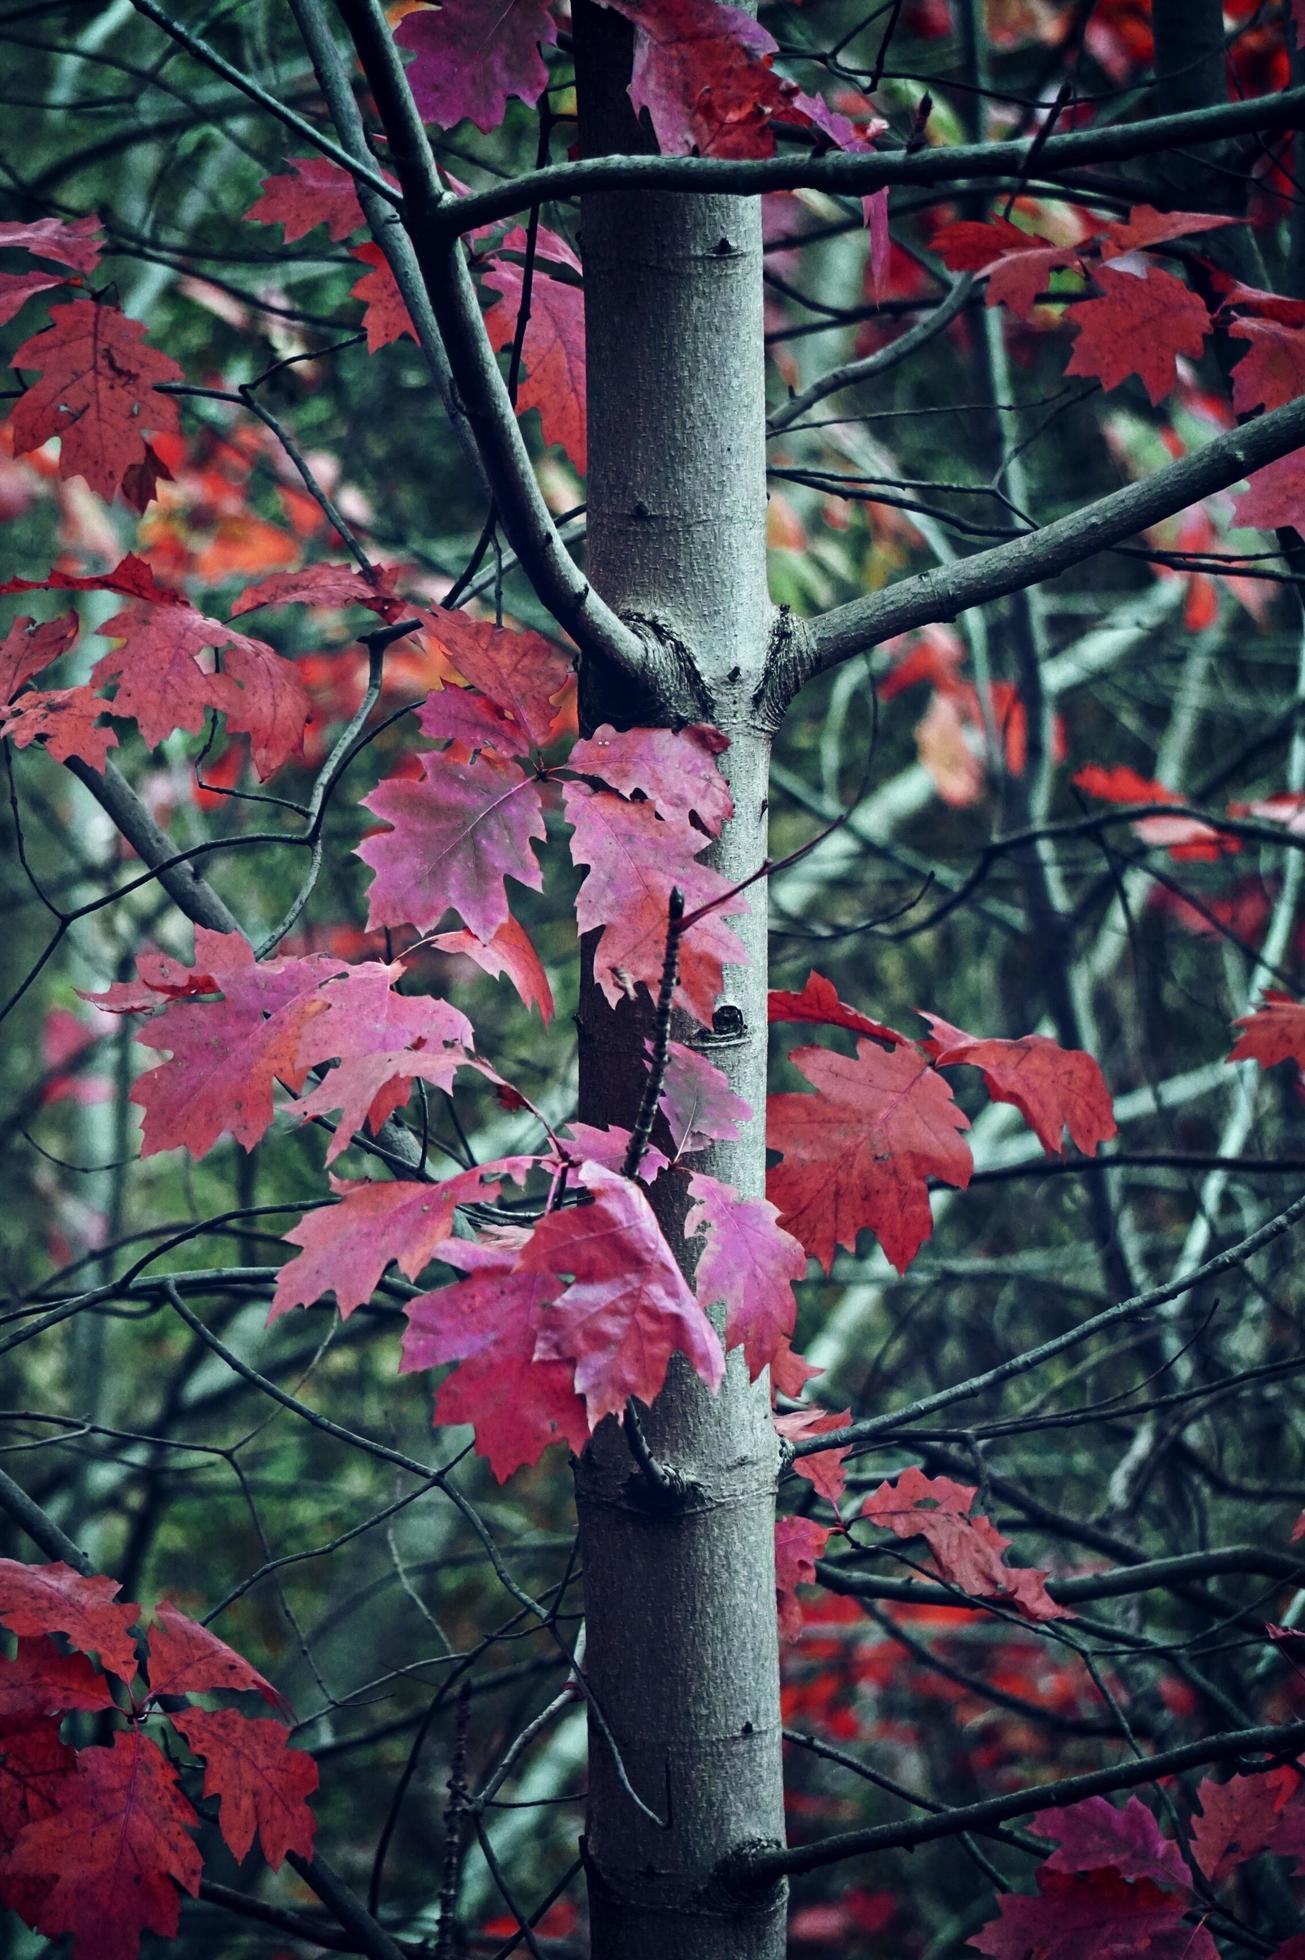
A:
681,1638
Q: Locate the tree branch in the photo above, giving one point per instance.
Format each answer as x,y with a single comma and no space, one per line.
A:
765,1867
362,173
384,223
527,520
946,590
841,171
1023,1364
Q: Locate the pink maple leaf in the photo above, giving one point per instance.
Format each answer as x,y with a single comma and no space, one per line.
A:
347,1246
674,768
698,1103
635,860
1094,1835
623,1306
823,1469
455,836
1092,1916
68,241
469,60
553,349
749,1265
490,1324
65,721
509,950
520,672
226,1056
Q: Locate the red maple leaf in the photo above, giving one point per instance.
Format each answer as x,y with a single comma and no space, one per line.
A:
385,314
749,1265
1148,227
1235,1822
508,950
819,1001
186,1659
332,586
799,1542
347,1246
1055,1089
623,1306
862,1150
68,241
455,836
1139,325
30,647
55,1599
1015,263
64,720
1272,371
98,393
113,1854
469,60
36,1767
261,1782
40,1680
1275,496
314,192
227,1055
520,672
967,1550
1092,1916
1273,1032
822,1468
635,860
1185,837
132,577
490,1324
159,682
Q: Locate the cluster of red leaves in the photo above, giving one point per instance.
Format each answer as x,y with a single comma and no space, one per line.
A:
95,1842
702,71
1140,319
158,674
1116,1885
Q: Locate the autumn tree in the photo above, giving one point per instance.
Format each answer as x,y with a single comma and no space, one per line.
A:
509,511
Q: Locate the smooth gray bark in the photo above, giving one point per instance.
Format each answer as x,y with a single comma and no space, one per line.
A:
681,1638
